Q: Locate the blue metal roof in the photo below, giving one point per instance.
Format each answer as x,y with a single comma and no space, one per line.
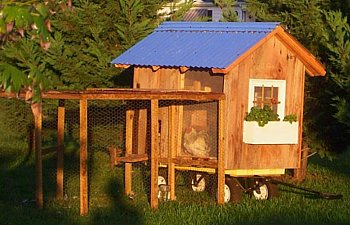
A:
196,44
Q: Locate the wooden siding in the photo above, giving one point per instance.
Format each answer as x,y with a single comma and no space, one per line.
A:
147,78
164,78
203,80
196,116
272,60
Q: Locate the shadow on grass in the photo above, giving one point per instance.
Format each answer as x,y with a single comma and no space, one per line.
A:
17,195
120,211
340,164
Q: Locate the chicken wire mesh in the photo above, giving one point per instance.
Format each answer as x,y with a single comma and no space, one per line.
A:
194,128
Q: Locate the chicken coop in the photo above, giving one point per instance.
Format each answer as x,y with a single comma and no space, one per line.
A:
259,67
202,100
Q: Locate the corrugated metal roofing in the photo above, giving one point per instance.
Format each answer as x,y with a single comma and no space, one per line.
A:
195,14
195,44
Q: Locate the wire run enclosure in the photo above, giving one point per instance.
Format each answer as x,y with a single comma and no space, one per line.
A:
159,128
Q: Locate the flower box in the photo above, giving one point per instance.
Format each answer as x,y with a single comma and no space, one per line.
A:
274,132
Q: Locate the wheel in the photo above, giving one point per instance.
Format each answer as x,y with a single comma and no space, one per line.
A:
161,180
198,182
265,191
163,188
232,190
162,177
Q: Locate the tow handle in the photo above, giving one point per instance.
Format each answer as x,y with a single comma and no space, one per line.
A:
324,195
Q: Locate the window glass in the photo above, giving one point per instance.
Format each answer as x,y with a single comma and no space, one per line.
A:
266,96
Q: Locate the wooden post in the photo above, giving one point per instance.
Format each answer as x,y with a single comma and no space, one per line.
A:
221,151
128,151
84,201
300,173
154,154
60,143
38,160
171,153
180,115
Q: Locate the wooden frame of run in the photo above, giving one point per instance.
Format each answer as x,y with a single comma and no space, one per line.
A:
122,94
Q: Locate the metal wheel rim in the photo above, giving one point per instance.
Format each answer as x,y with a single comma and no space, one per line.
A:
227,193
161,180
264,193
200,186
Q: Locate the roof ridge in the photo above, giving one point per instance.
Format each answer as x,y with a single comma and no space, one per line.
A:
208,30
218,26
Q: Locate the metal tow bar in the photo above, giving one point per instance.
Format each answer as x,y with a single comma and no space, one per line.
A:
324,195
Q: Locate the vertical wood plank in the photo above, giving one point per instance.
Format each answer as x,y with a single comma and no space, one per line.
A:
38,160
154,154
128,150
197,85
180,116
60,143
221,151
141,131
300,172
172,149
84,201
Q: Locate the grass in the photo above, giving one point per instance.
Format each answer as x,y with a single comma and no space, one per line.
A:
109,206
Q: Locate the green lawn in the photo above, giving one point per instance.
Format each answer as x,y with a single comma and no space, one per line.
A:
109,206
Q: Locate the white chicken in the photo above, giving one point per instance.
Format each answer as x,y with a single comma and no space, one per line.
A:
196,143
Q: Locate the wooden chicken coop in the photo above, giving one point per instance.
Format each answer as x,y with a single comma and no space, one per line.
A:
193,85
254,65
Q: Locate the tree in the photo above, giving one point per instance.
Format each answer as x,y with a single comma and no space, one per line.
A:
20,22
337,42
133,24
228,12
303,18
178,10
84,39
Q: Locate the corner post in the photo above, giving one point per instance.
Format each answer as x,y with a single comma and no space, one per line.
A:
84,201
172,149
60,143
128,151
221,151
38,160
154,153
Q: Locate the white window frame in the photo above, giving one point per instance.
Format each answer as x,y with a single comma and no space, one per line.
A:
280,84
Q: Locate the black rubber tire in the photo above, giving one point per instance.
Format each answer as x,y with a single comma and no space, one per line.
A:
236,189
273,190
233,186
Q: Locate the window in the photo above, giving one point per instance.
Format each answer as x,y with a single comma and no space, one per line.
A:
244,16
210,15
267,93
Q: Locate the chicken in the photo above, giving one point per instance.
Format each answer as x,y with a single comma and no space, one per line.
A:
196,143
